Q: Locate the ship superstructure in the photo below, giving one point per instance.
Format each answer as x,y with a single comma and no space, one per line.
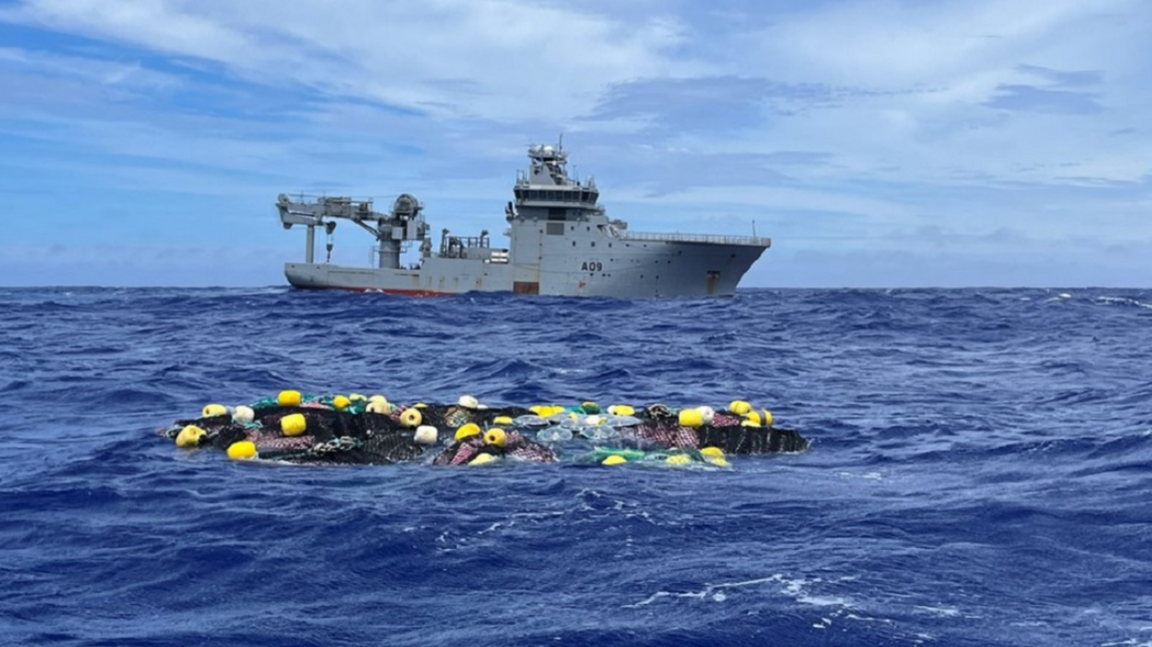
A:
560,242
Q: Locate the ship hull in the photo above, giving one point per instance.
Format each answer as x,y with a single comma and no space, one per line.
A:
561,242
636,269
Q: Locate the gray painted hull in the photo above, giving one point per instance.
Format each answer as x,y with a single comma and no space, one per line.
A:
647,269
561,243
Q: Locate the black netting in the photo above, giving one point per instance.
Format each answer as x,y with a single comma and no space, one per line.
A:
752,440
516,445
355,436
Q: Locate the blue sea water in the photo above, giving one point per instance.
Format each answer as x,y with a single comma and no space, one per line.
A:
980,472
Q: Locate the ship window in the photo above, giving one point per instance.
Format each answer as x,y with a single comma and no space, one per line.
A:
532,195
573,243
555,214
555,229
593,243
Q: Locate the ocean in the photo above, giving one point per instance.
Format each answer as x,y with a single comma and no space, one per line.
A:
980,472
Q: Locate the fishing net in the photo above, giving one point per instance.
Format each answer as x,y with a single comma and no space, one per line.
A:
336,430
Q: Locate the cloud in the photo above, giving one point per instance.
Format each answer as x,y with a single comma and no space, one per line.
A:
897,44
985,129
718,103
1027,98
1055,97
494,58
1057,78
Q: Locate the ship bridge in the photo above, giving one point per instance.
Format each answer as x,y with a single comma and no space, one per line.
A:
546,183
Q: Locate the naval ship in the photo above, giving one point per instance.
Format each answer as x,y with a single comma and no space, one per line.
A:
560,242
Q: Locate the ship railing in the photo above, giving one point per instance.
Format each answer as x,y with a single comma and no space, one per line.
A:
336,206
711,239
318,197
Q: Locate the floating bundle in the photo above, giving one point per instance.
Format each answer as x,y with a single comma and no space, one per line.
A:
356,429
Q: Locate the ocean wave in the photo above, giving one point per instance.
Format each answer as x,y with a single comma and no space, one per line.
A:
966,445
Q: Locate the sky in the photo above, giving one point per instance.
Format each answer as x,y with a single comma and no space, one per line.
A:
879,143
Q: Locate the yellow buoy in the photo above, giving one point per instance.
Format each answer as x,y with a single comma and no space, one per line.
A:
357,397
243,414
590,407
482,459
495,436
678,459
691,418
411,417
376,396
739,407
211,410
468,401
189,437
714,452
718,461
502,420
293,424
748,423
621,410
420,405
767,418
288,399
614,459
379,406
242,450
753,416
466,430
341,402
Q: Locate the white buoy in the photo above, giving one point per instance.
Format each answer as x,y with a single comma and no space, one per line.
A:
243,414
425,435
